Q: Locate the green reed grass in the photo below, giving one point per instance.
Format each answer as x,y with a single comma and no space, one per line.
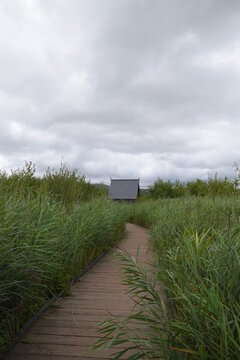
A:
197,246
213,187
63,184
48,234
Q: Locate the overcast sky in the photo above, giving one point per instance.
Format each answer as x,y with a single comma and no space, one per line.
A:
121,88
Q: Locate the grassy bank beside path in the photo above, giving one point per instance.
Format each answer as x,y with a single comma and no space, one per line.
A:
43,246
197,242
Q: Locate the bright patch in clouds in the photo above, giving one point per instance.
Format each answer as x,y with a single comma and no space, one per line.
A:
221,58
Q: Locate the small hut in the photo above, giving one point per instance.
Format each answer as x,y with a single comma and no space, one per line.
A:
124,189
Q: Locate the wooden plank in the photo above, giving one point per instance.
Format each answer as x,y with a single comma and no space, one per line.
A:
47,357
67,323
102,296
86,311
63,350
103,282
73,331
82,317
101,286
62,330
62,340
92,304
91,291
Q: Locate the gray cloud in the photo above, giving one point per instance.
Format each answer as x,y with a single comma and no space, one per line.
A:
121,88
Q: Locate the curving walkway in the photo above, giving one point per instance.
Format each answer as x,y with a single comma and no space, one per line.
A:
66,332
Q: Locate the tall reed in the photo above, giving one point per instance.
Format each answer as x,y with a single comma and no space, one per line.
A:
213,187
197,246
46,239
63,184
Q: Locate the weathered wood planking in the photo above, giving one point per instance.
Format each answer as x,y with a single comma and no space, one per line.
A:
67,331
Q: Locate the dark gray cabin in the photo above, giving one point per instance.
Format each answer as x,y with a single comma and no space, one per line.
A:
124,189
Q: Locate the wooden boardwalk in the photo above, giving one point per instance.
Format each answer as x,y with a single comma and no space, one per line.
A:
66,332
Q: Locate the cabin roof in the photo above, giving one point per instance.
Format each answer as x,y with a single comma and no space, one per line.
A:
124,189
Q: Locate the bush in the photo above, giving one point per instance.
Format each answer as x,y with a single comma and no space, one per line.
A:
166,189
197,188
218,187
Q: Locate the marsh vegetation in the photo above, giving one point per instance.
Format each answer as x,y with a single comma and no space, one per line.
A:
54,226
196,242
50,229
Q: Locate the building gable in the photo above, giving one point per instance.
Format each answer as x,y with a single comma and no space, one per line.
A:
124,189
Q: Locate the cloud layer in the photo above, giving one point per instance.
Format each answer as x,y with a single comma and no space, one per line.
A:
130,88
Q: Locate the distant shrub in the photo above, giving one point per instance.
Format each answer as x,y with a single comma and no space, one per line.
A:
197,188
166,189
161,189
218,186
179,189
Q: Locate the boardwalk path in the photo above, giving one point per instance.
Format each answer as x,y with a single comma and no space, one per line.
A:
66,332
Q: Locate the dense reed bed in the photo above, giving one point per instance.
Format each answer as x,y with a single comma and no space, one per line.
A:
54,226
197,246
46,239
213,187
63,185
